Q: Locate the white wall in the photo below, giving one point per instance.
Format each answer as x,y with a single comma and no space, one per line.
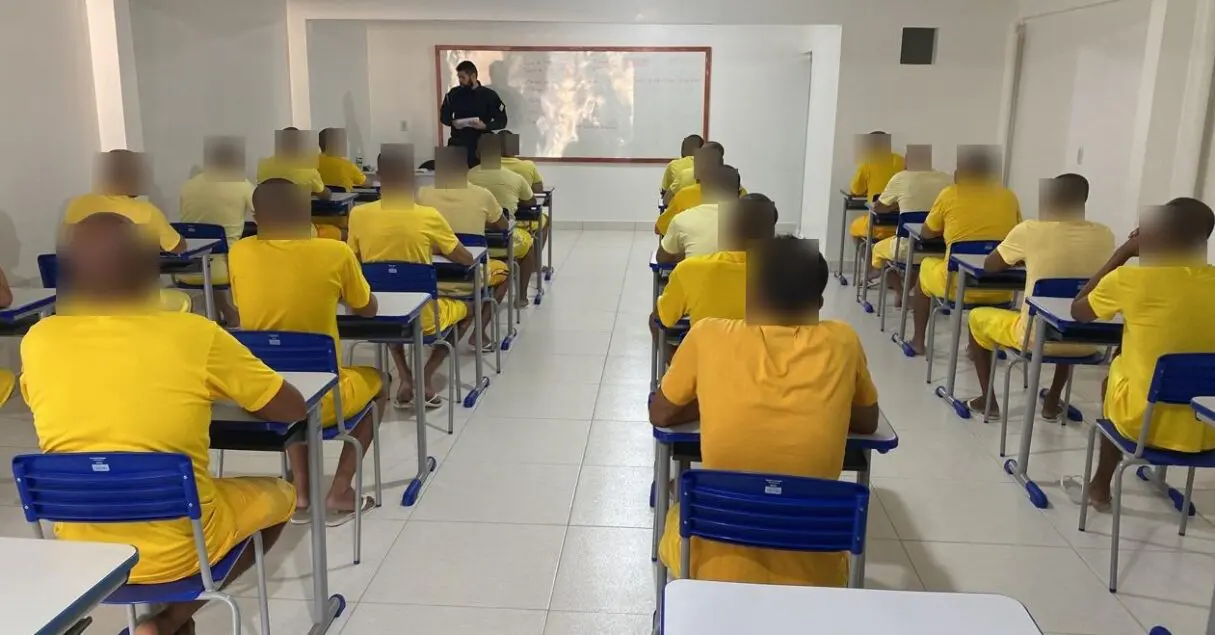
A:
338,81
748,63
217,67
49,129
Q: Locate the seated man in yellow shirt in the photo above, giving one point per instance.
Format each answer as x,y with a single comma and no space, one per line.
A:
711,155
511,191
1059,244
877,165
394,228
283,279
522,167
1166,303
293,163
976,207
219,195
122,176
694,232
912,190
335,169
7,379
690,196
112,373
687,149
472,209
794,422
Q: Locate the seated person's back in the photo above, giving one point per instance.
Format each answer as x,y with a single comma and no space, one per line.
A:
508,188
467,208
694,232
122,182
687,150
523,167
776,393
333,166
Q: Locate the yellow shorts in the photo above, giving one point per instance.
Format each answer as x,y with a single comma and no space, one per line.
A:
932,282
359,385
332,232
253,503
219,273
860,228
523,245
534,225
450,312
174,301
498,273
993,327
7,382
883,252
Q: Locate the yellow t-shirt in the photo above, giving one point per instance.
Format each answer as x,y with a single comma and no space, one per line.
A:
1165,309
915,191
88,392
295,285
673,169
524,168
775,400
685,178
339,171
407,234
218,200
693,233
872,176
506,186
140,211
1055,249
686,199
467,209
298,171
975,211
704,287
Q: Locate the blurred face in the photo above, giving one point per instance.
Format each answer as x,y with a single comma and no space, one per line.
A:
919,157
336,142
466,79
451,168
122,173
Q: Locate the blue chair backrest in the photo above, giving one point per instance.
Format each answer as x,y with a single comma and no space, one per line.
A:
909,217
402,277
1059,287
106,487
1182,376
773,512
204,231
473,240
48,269
982,247
289,351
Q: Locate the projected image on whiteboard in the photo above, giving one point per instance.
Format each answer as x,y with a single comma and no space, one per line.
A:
593,104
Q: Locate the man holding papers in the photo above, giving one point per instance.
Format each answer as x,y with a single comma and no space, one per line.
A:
471,110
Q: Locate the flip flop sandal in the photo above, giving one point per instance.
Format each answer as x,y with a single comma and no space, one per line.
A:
402,405
979,409
434,402
301,516
337,519
1073,487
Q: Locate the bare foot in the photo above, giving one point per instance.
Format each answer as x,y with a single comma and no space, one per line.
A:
522,303
1099,496
977,404
404,395
341,502
1052,409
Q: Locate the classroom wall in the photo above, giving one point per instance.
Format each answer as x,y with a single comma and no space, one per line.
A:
337,74
217,67
49,129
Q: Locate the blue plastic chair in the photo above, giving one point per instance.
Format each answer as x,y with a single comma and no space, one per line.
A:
900,234
1045,288
48,270
771,511
287,351
416,277
204,231
981,247
122,487
1178,379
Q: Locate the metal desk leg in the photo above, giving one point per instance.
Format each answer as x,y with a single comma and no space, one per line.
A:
900,338
426,463
1019,467
655,340
662,493
839,272
862,280
208,287
548,270
482,381
324,608
512,277
946,392
856,577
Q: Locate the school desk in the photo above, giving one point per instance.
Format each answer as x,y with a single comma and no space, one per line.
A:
1051,321
197,255
338,204
967,269
502,245
231,421
27,304
700,607
862,268
857,458
53,584
480,257
914,242
1204,409
851,203
661,271
535,213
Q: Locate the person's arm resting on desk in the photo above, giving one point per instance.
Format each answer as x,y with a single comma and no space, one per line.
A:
934,224
863,418
234,372
170,241
888,201
675,402
673,303
1008,254
859,187
356,292
670,248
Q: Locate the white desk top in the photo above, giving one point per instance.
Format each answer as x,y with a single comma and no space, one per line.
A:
27,300
394,304
695,607
478,254
311,385
1204,409
1061,310
977,262
56,582
194,245
913,229
336,197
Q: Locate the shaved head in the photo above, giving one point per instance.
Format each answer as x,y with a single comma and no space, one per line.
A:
108,256
281,204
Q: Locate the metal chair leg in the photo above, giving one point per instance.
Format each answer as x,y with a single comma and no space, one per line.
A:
358,493
1088,475
1067,397
1115,532
1185,504
1004,411
991,394
263,594
932,331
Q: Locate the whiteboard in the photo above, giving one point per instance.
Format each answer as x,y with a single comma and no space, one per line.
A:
627,105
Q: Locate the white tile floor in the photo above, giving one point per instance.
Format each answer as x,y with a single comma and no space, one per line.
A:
536,522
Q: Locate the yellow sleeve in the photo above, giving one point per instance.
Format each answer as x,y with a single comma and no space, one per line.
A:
523,190
165,234
441,234
1106,299
315,183
354,174
679,384
936,216
895,189
672,241
668,176
865,393
354,229
493,211
355,290
673,303
234,373
664,220
1012,249
860,181
534,174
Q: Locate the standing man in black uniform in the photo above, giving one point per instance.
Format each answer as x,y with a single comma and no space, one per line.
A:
471,110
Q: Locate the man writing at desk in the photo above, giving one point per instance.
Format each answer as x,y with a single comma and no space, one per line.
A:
471,110
90,391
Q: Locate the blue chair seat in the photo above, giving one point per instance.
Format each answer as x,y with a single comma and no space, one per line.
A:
184,590
1154,456
331,432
